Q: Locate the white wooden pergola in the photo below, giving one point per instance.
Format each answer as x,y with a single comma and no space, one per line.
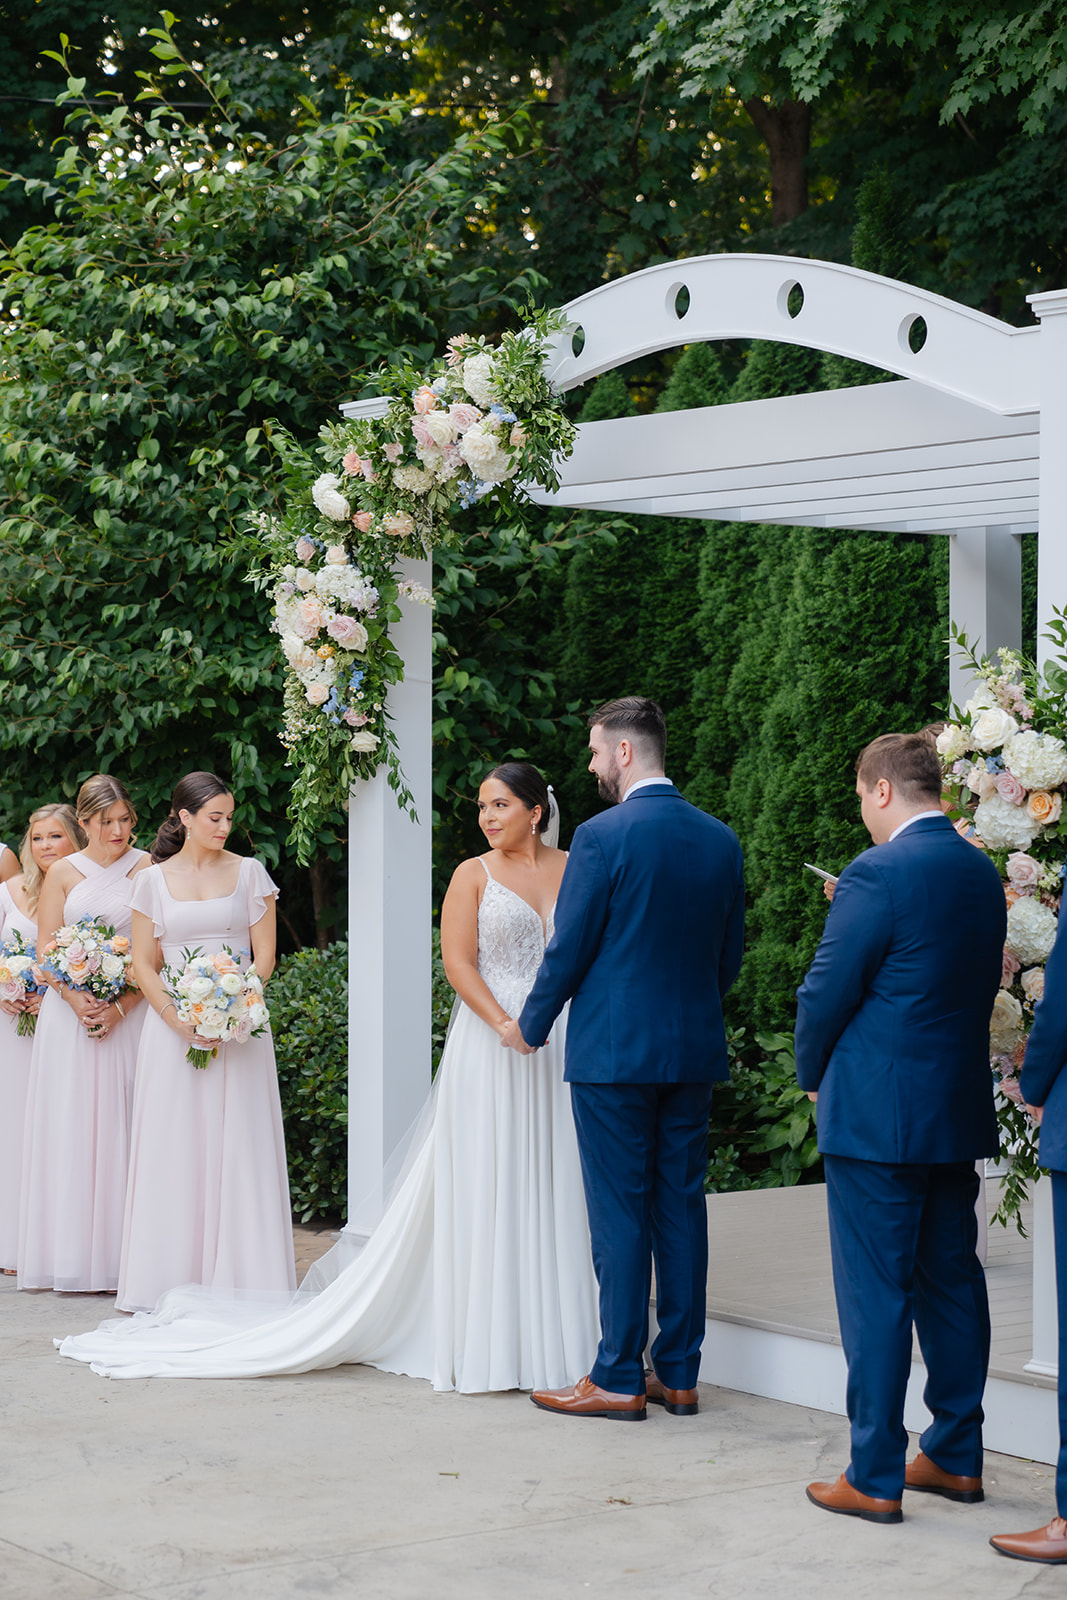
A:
969,444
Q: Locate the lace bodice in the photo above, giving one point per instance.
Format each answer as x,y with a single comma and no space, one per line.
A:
511,943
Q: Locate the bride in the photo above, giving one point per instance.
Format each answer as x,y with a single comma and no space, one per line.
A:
479,1275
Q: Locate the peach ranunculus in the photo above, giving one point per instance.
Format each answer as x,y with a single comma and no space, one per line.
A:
351,462
399,525
120,944
1011,895
363,520
224,962
425,400
77,972
1044,807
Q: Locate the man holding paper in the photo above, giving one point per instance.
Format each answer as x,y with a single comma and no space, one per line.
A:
893,1042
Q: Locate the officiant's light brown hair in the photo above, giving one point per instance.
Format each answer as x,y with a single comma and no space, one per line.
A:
908,760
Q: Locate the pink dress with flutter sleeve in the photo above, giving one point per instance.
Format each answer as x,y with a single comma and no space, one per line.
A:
15,1057
208,1195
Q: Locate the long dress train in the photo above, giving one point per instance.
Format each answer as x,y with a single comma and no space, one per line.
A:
78,1118
479,1275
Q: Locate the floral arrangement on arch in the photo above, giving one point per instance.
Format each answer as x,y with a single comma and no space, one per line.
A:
475,426
1004,759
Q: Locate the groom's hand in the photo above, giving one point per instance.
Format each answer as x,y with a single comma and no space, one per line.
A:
511,1038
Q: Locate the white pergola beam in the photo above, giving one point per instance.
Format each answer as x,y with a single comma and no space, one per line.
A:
1051,308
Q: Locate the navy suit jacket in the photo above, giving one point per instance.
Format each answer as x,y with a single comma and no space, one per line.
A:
893,1021
649,936
1042,1080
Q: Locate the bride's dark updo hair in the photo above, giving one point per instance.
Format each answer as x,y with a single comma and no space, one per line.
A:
526,784
193,792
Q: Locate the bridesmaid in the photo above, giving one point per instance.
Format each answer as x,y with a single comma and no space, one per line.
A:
53,833
208,1197
81,1078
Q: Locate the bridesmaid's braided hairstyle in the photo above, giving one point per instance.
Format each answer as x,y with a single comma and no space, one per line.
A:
526,784
193,791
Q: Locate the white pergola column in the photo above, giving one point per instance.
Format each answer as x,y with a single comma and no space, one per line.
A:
389,931
984,597
1051,309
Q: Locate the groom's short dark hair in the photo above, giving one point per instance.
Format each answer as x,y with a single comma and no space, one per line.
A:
637,719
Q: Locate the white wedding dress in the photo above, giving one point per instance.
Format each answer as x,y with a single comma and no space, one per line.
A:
479,1275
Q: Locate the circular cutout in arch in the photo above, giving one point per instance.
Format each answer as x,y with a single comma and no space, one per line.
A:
577,340
678,299
912,334
790,299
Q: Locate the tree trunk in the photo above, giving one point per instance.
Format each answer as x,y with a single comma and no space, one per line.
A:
786,131
320,901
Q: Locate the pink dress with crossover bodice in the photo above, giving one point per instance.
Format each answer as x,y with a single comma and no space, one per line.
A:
78,1118
15,1056
208,1196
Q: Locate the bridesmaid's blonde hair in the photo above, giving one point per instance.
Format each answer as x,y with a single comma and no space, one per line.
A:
32,876
100,793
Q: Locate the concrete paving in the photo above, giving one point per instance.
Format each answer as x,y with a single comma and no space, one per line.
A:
355,1483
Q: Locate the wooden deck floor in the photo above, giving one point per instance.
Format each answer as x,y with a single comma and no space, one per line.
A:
770,1268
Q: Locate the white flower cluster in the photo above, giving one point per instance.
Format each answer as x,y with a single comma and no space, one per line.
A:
324,492
1031,931
1005,1022
1002,826
1038,760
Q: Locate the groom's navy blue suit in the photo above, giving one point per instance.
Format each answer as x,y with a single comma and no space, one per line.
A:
649,933
893,1032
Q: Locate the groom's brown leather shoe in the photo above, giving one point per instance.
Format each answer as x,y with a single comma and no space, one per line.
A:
1048,1544
586,1400
842,1497
927,1476
679,1402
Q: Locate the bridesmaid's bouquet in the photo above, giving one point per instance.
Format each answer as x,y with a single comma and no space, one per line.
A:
17,980
215,997
92,957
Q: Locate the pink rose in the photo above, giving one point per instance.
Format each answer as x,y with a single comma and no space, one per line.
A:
1010,1086
1009,788
367,469
349,634
399,525
423,437
317,694
1023,871
355,719
11,990
425,400
362,520
392,451
351,462
463,416
455,348
1044,807
1009,967
304,549
76,950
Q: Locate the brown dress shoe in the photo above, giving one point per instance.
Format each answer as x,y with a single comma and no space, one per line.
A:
1048,1544
586,1400
679,1402
842,1497
925,1475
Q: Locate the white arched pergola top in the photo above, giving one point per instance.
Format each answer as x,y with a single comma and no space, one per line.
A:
845,312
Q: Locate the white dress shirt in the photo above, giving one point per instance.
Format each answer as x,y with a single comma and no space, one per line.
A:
643,783
920,816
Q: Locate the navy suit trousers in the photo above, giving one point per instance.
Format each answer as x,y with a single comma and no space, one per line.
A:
1059,1219
903,1240
644,1152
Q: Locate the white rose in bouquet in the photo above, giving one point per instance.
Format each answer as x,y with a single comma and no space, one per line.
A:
952,743
482,451
441,427
991,727
327,500
1002,826
1038,760
198,988
1033,984
1031,931
362,740
230,983
1006,1020
112,966
981,700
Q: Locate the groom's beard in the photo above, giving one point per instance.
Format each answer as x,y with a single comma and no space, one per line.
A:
609,787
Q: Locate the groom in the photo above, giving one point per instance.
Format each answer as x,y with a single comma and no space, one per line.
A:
648,940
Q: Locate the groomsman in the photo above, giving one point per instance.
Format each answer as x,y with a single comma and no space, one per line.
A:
893,1042
1044,1085
649,934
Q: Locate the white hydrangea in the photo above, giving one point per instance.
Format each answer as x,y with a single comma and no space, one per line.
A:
478,379
990,728
415,480
1005,1022
327,500
1002,826
347,586
952,742
981,700
1031,931
1038,760
482,451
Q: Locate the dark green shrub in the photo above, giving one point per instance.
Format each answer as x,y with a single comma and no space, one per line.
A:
308,997
762,1133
